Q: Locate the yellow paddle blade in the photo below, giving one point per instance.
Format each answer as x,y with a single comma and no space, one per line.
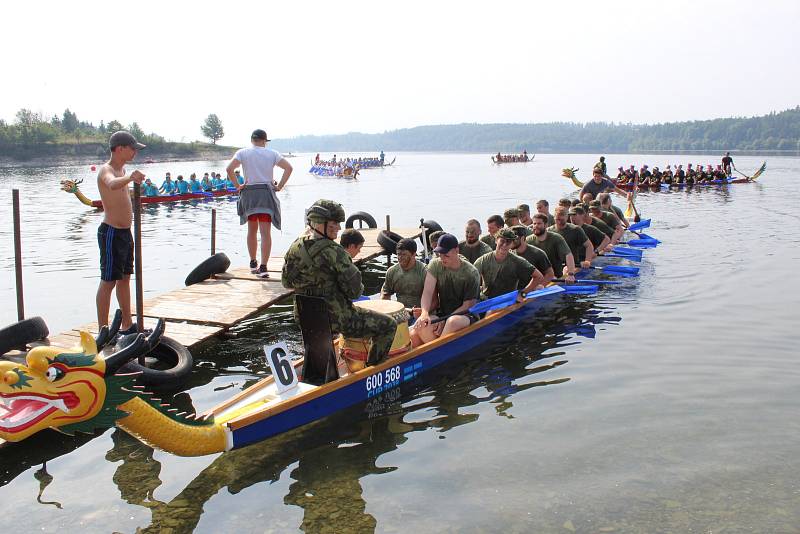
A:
629,210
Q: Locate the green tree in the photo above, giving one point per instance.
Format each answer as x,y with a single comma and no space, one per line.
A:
212,128
114,126
69,121
136,131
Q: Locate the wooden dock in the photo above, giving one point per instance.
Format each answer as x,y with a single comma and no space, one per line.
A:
201,311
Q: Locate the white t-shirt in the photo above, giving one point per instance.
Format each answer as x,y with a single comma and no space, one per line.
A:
257,164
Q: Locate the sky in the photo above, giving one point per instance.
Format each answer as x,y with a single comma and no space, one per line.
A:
300,68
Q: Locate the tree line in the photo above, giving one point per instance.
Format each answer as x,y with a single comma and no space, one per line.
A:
774,131
30,133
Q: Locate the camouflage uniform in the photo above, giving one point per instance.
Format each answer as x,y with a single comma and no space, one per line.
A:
319,267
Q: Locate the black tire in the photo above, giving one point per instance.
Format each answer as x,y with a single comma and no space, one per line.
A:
167,365
388,240
17,335
218,263
432,226
362,216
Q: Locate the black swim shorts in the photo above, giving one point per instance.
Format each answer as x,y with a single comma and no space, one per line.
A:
116,252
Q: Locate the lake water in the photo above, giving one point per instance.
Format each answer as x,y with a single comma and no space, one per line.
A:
668,404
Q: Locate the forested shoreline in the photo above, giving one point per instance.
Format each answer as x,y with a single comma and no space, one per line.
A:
773,132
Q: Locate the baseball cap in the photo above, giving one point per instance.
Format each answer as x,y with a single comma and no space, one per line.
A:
123,138
511,212
507,233
446,243
594,205
259,134
523,207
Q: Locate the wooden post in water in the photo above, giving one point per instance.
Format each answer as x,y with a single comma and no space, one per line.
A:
18,255
137,256
213,231
388,229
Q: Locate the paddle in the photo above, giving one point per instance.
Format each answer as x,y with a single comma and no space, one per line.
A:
757,173
618,270
641,225
588,281
507,299
628,251
629,257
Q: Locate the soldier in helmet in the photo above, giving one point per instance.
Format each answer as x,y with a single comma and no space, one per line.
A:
316,265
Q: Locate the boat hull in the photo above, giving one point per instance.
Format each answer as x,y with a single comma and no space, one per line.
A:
373,381
175,198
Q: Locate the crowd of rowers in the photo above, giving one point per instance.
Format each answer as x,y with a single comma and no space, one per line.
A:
353,163
519,251
512,158
699,174
209,183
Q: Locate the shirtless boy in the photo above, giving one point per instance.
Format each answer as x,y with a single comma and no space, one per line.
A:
114,235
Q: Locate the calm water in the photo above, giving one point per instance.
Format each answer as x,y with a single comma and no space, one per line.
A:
668,404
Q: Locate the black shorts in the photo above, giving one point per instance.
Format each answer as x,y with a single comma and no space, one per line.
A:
116,252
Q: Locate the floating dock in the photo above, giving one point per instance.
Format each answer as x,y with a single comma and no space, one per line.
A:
201,311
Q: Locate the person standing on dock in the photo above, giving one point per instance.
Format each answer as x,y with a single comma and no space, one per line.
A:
114,235
317,266
258,204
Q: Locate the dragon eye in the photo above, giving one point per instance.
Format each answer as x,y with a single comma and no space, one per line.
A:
54,373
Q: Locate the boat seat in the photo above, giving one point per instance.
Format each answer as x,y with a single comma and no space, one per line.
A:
319,361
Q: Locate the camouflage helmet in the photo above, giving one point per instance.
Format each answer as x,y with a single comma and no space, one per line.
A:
324,210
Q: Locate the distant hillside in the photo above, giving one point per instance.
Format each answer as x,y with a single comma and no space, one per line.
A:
776,131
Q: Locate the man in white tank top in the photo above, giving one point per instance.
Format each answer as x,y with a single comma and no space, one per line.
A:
258,204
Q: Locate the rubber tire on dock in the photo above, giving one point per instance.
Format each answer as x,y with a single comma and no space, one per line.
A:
432,226
17,335
361,216
388,240
169,352
218,263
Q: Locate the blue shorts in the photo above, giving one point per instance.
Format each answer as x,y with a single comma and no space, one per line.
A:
116,252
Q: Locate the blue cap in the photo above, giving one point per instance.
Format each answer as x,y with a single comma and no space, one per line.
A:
446,243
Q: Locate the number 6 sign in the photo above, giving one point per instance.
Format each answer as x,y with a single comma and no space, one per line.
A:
280,362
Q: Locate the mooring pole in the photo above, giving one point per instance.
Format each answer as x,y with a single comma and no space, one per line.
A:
18,255
137,256
388,228
213,231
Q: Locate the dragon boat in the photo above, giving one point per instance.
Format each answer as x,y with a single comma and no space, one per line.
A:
78,390
571,174
501,162
71,186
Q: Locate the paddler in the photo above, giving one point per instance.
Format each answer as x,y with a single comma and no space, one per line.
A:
457,284
352,241
606,222
534,255
148,189
543,207
607,205
168,186
493,224
502,272
525,215
601,166
599,184
407,277
579,244
315,265
472,247
205,183
181,186
194,185
557,250
600,241
511,217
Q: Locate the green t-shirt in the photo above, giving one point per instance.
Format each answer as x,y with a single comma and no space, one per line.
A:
472,253
489,240
407,284
575,238
594,235
618,212
536,257
603,227
498,278
610,219
556,249
455,286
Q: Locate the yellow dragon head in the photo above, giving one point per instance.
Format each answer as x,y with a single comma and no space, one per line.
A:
571,174
68,390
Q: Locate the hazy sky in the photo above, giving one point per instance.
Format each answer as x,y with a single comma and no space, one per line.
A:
299,67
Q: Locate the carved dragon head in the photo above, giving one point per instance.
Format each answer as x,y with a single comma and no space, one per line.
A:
568,172
65,389
70,186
